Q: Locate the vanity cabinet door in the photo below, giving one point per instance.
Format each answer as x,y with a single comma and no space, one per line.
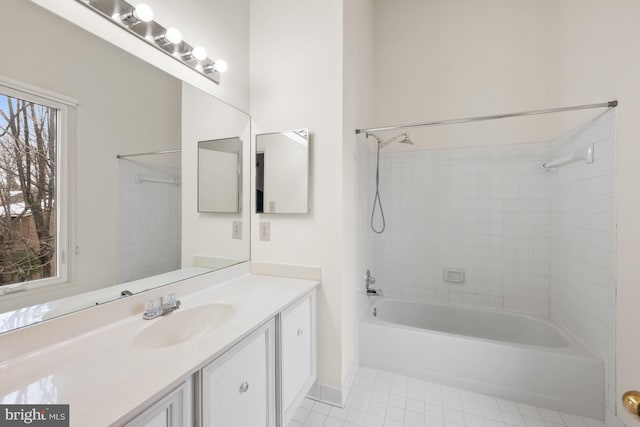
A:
173,410
238,388
297,353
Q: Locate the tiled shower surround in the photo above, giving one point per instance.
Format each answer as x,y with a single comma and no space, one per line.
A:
149,221
582,243
528,239
484,210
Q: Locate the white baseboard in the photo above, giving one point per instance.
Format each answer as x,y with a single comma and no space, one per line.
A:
350,379
332,395
326,394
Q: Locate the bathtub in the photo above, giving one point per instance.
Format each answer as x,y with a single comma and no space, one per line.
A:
509,355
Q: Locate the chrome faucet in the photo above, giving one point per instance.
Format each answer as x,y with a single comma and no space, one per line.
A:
160,307
368,281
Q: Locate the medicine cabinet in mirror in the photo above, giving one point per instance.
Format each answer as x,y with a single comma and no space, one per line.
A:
220,175
282,172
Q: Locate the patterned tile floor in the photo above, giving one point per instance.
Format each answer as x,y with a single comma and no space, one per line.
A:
383,399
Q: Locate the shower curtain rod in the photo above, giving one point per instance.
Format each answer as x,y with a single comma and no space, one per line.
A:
610,104
124,156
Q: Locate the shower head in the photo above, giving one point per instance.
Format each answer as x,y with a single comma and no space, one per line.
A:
406,139
402,138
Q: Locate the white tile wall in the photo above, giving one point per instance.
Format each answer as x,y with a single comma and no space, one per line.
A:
582,243
149,221
484,210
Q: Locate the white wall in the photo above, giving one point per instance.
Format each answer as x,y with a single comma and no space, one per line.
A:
220,26
296,82
110,121
441,59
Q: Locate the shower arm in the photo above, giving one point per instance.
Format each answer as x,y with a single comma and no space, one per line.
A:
391,140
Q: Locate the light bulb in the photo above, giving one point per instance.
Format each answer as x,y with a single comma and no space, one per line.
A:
173,35
143,12
199,53
220,66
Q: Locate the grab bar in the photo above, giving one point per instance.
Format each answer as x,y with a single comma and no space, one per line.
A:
171,181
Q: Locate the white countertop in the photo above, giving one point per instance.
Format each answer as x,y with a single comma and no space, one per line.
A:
104,377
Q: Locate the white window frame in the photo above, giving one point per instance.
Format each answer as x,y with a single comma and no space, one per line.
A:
65,107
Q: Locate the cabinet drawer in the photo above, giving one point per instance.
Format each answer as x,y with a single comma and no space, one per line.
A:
296,342
236,389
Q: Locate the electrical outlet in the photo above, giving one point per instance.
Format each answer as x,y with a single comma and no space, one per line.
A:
265,231
236,230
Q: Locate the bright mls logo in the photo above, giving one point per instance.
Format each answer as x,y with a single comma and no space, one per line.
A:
34,415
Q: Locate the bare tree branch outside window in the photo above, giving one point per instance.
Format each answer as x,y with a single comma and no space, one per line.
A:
27,190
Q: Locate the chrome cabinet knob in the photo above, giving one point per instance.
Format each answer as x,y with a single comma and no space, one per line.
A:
299,332
244,387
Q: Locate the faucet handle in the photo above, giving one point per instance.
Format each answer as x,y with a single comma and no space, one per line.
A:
369,279
152,307
172,300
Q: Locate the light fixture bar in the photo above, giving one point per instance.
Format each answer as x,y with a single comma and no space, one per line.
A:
155,35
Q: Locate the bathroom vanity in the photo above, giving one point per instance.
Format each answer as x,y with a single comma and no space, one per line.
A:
240,351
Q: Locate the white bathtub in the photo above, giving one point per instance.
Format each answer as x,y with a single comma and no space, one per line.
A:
510,355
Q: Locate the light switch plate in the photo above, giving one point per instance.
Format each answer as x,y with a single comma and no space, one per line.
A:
265,231
236,230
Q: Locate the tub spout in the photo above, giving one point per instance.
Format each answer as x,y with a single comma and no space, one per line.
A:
374,292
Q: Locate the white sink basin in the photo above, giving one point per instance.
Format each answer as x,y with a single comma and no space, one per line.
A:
183,325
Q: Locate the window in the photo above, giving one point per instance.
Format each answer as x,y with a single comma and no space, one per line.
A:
33,242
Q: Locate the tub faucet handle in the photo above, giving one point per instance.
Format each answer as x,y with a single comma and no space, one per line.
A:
369,279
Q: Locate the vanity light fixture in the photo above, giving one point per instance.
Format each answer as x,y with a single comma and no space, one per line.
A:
198,53
141,13
220,66
173,36
138,20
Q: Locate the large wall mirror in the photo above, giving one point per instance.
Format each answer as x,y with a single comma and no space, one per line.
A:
127,223
282,172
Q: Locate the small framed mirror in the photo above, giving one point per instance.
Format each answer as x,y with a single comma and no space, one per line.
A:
220,175
282,172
